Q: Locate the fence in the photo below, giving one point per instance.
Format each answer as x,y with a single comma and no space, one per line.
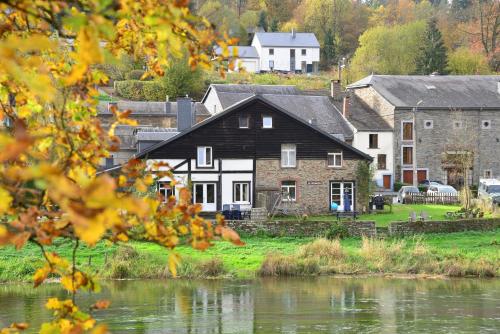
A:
437,198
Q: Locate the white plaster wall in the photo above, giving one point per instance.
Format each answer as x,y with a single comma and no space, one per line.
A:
227,187
385,143
171,163
212,102
237,164
250,65
215,166
281,58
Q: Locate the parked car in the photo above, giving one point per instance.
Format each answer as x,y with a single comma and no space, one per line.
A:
405,191
489,188
427,183
442,190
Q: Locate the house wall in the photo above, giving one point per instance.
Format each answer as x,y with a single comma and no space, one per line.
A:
212,102
281,57
431,143
313,197
377,102
251,65
385,146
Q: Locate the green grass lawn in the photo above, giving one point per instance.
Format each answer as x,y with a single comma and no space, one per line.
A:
240,262
400,212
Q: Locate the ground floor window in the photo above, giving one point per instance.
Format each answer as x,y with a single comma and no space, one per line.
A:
342,196
165,189
204,193
289,190
241,192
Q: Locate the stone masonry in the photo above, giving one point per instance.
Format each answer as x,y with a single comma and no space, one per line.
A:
312,179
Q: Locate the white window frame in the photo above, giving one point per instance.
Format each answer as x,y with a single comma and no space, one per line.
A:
288,155
287,189
264,126
244,188
483,127
488,171
412,131
335,156
165,186
201,154
428,126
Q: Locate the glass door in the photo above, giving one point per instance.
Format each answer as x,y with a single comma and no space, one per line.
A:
205,194
339,192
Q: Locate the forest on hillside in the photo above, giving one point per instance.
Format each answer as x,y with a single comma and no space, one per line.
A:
375,36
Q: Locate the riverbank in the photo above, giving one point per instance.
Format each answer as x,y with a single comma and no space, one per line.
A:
456,254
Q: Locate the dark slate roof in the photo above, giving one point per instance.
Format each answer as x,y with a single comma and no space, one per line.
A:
243,103
438,91
149,108
362,117
243,51
286,39
254,89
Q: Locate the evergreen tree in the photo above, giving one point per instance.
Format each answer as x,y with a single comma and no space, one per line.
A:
263,20
274,25
432,57
328,49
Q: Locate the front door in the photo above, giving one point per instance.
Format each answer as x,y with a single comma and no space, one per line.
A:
292,60
387,181
408,176
338,192
205,194
421,175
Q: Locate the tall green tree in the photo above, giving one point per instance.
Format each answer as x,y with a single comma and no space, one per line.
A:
329,52
433,54
263,20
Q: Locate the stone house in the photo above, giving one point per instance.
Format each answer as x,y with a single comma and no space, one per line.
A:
437,116
255,149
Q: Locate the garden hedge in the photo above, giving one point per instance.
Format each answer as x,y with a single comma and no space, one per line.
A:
137,90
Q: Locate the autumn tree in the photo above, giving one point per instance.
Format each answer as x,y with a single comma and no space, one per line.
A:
433,54
52,144
464,61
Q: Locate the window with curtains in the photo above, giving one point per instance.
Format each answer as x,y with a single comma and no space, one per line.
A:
204,156
407,155
334,159
288,155
381,161
289,189
241,192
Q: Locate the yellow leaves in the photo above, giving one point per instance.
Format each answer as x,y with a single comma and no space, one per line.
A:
5,202
88,53
101,304
40,275
230,235
53,304
174,260
14,328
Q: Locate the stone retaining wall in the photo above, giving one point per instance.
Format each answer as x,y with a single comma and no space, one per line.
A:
406,228
360,228
300,229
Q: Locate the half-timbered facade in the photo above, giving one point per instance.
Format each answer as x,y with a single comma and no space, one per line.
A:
255,147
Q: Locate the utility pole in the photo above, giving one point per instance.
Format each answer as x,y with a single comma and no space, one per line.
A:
414,150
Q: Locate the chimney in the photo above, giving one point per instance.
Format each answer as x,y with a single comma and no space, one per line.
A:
168,106
293,33
345,106
313,121
336,90
185,108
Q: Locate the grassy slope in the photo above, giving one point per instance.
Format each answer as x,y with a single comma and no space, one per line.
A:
240,261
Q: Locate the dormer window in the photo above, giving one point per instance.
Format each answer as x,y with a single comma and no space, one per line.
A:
204,156
244,122
267,122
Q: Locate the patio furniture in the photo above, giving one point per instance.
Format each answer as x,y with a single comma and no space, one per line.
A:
424,216
226,211
236,212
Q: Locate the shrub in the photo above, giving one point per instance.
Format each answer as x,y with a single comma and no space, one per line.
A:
137,90
211,268
337,231
134,75
279,265
398,185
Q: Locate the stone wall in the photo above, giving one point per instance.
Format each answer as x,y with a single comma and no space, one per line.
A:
312,179
406,228
300,229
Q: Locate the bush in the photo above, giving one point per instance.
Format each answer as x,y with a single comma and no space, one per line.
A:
398,185
321,249
134,75
337,231
137,90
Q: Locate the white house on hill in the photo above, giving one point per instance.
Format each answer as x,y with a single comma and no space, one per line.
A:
280,51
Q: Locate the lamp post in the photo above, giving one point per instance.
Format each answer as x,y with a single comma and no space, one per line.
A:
414,151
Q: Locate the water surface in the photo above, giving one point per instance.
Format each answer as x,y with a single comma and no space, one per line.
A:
307,305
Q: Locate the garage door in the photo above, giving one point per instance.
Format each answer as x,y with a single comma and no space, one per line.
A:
249,65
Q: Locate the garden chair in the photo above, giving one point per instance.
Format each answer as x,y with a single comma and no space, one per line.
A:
236,212
424,216
226,211
413,217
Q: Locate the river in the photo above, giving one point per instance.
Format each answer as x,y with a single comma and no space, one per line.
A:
304,305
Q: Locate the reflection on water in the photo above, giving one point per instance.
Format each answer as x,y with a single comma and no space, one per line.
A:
312,305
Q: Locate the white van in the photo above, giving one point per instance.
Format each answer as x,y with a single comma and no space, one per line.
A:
489,188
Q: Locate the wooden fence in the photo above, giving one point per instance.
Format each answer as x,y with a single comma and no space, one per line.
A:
424,198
